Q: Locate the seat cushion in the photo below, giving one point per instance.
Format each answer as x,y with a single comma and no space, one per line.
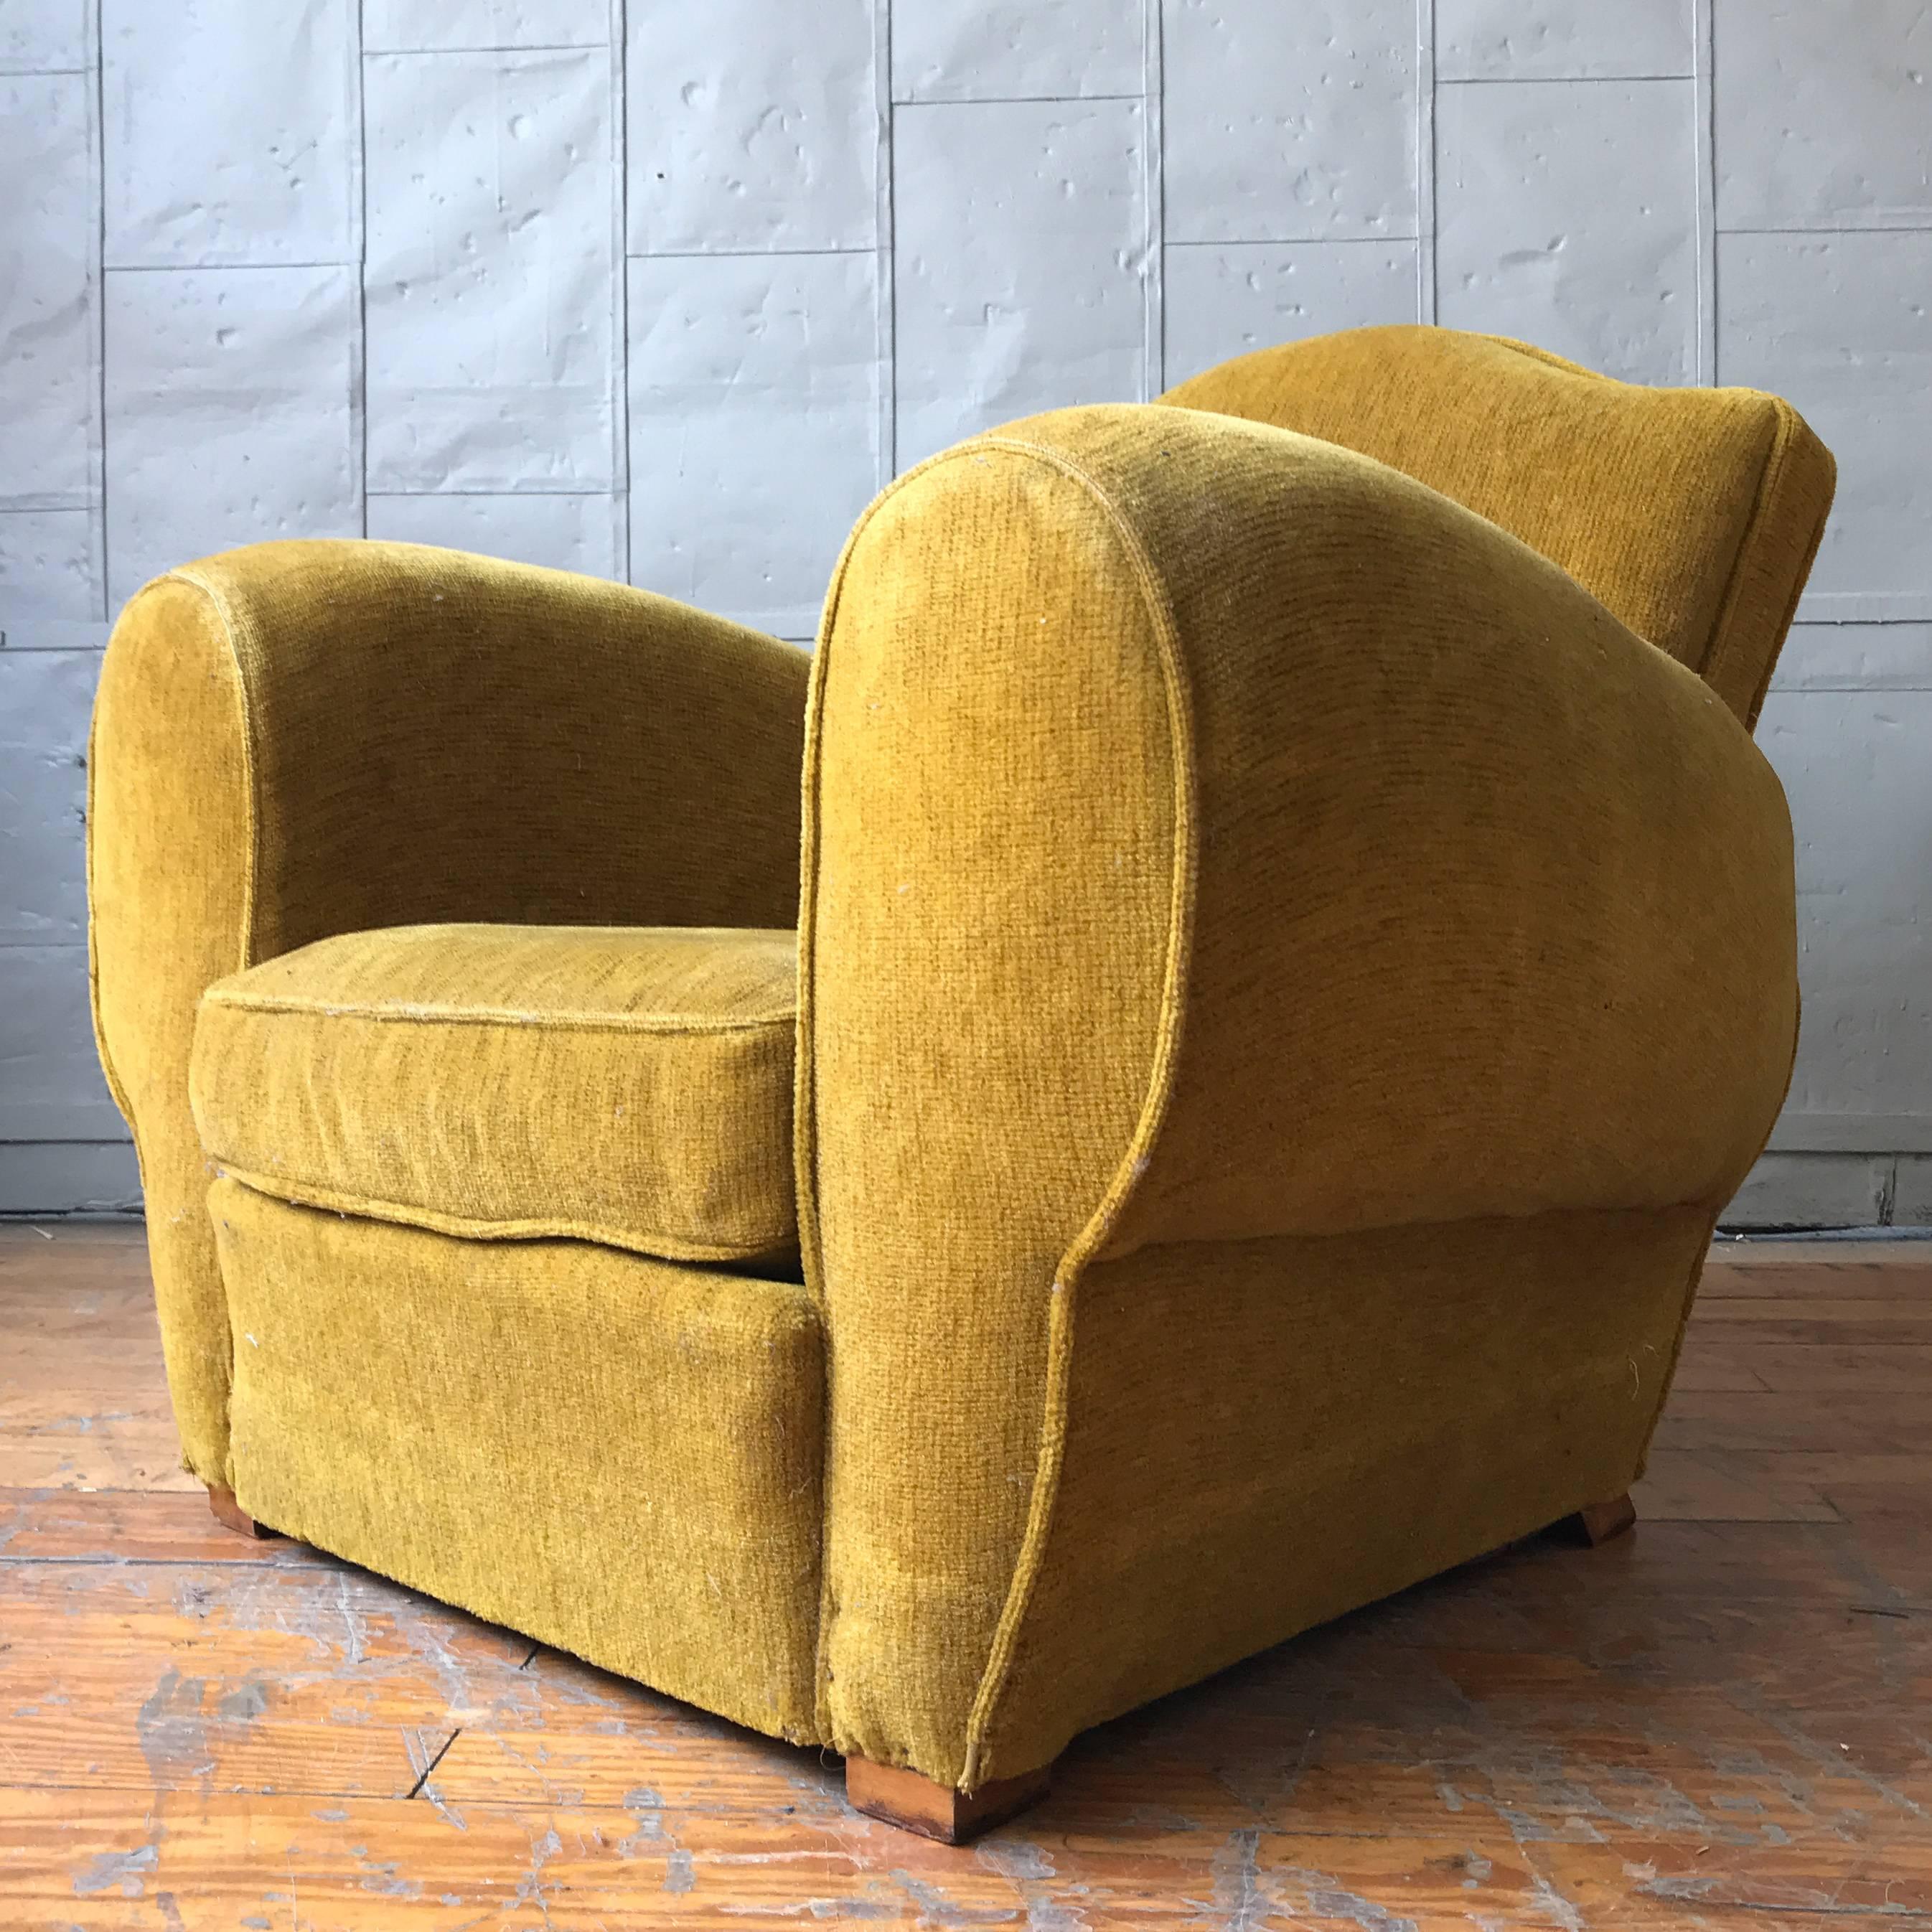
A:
631,1085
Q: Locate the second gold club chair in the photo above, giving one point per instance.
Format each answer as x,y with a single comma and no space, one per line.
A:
1287,970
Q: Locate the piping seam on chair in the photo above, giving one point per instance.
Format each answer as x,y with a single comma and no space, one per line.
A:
1696,1271
1784,437
1697,1266
250,761
1136,1157
251,900
805,1136
114,1086
1789,419
805,1128
1669,1375
672,1025
299,1192
1552,361
1717,648
1133,1163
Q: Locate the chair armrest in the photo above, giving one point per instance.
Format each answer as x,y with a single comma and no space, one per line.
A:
301,738
1212,834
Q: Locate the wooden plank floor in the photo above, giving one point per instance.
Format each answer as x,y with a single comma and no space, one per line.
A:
1723,1720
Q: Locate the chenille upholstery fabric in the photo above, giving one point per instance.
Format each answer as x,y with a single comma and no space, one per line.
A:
299,739
1217,841
1693,514
616,1455
1294,947
1408,1397
628,1084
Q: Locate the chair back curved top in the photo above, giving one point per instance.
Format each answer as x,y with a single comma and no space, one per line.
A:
1693,515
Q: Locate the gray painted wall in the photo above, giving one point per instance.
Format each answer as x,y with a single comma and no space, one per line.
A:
666,291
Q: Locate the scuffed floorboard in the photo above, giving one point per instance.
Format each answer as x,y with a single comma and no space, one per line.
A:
1724,1721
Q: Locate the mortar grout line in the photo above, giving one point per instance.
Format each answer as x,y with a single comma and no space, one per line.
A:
737,254
97,160
619,31
1154,141
1379,241
417,495
217,267
521,47
1012,100
1798,228
1556,79
885,292
1426,290
1704,138
359,381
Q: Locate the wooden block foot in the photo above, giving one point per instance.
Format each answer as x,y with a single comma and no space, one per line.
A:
915,1803
1598,1522
231,1515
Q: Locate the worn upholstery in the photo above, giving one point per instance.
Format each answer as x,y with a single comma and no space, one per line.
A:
1295,945
298,740
628,1085
1694,514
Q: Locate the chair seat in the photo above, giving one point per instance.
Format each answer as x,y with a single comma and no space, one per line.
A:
629,1085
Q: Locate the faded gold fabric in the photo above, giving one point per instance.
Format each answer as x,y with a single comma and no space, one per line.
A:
298,740
629,1084
1214,836
1286,978
1693,514
616,1455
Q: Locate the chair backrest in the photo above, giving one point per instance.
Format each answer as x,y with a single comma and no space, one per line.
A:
1693,515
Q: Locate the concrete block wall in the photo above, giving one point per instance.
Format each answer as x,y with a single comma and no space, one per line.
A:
664,293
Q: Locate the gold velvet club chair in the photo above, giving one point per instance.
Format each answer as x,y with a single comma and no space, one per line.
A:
1280,979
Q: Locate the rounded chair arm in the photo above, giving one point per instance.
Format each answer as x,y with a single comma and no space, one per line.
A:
297,740
1212,834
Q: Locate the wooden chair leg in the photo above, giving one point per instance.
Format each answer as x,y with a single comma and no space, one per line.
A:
1598,1522
231,1515
915,1803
